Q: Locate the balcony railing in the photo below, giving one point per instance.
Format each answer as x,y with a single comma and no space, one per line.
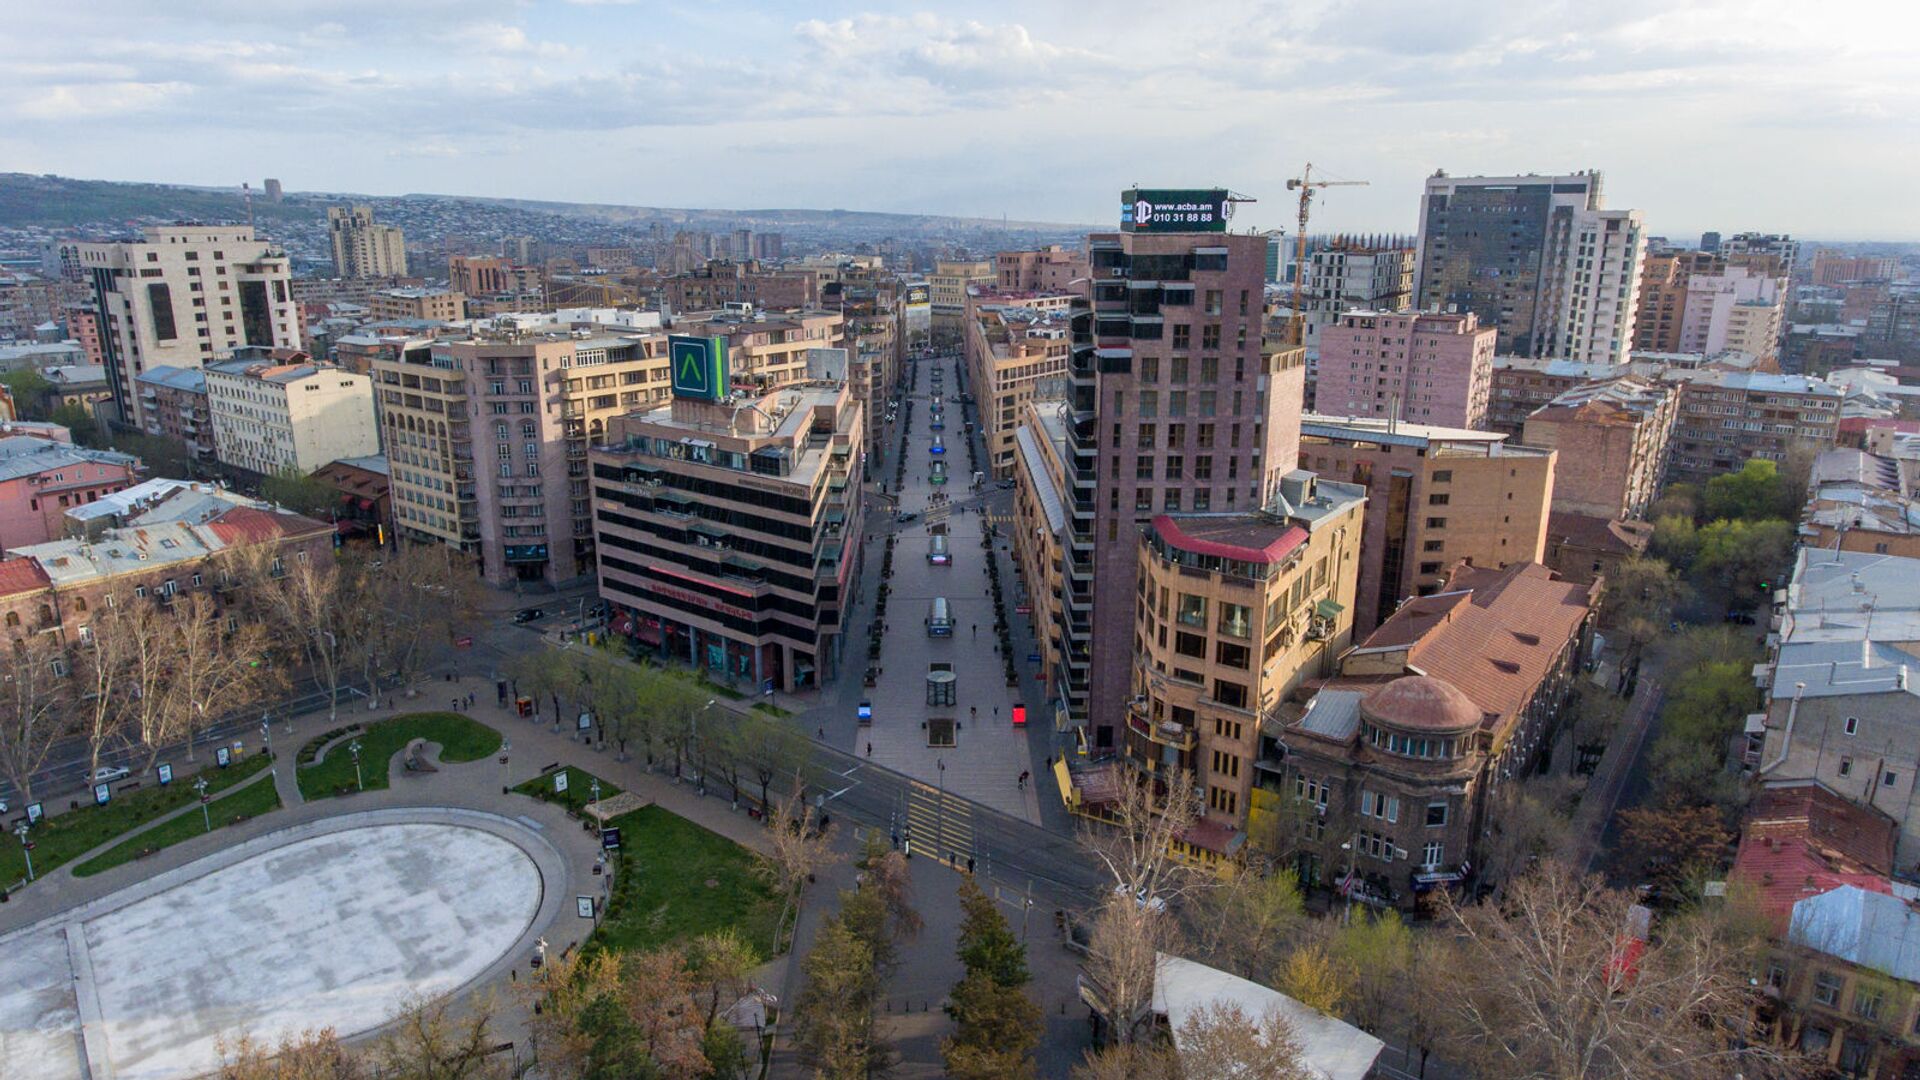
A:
1165,733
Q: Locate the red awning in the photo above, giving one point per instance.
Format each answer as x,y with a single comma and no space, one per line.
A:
366,504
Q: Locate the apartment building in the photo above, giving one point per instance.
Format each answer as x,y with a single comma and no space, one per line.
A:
1176,306
873,305
417,302
729,526
183,296
362,248
1535,257
41,479
270,416
1010,350
947,293
726,281
1421,367
174,401
1839,268
1436,497
1730,417
1738,308
1054,269
1391,770
1776,253
1614,438
1349,274
1040,535
1840,685
1663,296
493,285
1234,612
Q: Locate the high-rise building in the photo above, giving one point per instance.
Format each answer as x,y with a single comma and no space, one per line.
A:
1422,367
1353,275
362,248
1779,246
274,193
947,287
1537,258
1838,268
1178,406
1662,308
1710,242
1738,308
1015,343
183,296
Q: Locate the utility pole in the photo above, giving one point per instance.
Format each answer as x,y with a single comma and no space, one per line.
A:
1305,184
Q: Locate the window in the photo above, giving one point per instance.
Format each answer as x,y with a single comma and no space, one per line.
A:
1853,725
1432,853
1826,988
1436,523
1193,610
1846,766
1236,620
1867,1002
1436,814
1190,645
1443,476
1439,498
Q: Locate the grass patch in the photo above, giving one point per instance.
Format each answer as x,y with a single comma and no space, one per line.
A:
579,788
773,710
249,802
460,738
62,837
661,896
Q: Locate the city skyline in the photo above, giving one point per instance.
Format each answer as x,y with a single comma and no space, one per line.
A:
1031,113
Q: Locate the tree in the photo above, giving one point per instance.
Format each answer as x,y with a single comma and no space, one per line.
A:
101,665
428,1041
719,964
1377,952
658,994
1669,844
1755,493
214,668
796,850
881,909
1220,1041
1545,985
78,421
616,693
310,603
1312,976
30,390
1528,821
34,710
1676,541
834,1024
1243,923
995,1030
986,943
160,455
1742,561
419,595
1676,500
1129,1061
1641,596
310,1055
298,492
779,749
1132,925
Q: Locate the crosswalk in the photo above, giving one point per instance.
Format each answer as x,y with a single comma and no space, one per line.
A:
996,519
939,827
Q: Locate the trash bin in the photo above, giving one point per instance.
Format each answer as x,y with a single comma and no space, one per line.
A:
524,706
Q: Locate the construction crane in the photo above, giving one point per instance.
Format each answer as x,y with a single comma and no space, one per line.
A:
1305,184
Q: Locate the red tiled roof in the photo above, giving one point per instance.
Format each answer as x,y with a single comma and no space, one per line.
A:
22,575
1493,634
245,525
1800,839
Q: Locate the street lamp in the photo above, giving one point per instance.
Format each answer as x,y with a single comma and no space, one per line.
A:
693,739
505,746
200,788
26,847
354,749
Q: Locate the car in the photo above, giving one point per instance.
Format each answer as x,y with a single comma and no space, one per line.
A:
527,615
865,712
905,516
1006,484
106,774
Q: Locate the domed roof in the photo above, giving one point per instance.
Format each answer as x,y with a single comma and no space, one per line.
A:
1422,703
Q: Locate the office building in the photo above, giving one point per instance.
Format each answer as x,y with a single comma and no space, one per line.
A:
1421,367
1014,345
271,416
1614,438
1736,308
1176,308
947,292
183,296
41,479
1663,297
729,525
416,302
1537,258
1395,763
1775,254
1436,497
362,248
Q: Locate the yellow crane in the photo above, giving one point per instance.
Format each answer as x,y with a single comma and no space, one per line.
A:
1305,184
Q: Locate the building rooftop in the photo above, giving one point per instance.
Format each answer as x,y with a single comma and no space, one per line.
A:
1851,625
1422,703
1800,839
1863,926
1600,534
1332,1049
267,371
1759,382
193,380
156,545
31,455
1400,433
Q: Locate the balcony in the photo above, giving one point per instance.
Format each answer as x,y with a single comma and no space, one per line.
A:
1165,733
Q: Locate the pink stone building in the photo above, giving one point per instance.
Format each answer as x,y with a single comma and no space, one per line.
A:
1420,367
41,479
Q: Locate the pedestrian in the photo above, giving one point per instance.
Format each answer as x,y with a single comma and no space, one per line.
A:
823,733
454,704
973,711
869,749
996,710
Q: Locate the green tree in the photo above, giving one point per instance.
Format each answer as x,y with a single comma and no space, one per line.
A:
30,390
1640,599
298,492
1675,541
79,421
996,1030
1313,976
1678,500
1377,952
1757,492
160,456
986,943
833,1019
1742,561
1244,923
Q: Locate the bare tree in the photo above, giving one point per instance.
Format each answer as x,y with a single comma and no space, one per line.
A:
1220,1041
1551,985
309,602
797,851
215,670
310,1055
424,595
1132,925
1242,923
102,663
35,709
152,708
1129,1061
779,749
430,1041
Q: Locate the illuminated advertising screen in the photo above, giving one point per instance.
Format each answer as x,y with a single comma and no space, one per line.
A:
1175,210
699,366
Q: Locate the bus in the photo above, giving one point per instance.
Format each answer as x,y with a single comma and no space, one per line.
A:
939,618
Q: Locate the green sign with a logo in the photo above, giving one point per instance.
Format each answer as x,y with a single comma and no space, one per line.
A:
699,366
1182,210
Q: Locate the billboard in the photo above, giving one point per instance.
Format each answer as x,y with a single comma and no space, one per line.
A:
1175,210
919,294
699,366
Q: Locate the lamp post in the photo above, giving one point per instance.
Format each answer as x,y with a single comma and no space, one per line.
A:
505,746
693,740
200,788
26,847
354,749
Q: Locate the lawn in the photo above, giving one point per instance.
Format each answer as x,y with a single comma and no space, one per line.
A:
773,710
677,881
249,802
460,738
63,837
579,788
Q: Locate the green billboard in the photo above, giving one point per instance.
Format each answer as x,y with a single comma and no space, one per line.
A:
699,366
1175,210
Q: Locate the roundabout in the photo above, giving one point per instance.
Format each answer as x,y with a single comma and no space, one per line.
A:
334,923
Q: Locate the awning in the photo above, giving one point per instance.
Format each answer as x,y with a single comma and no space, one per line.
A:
1328,609
366,504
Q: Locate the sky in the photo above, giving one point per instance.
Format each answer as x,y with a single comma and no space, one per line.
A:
1721,114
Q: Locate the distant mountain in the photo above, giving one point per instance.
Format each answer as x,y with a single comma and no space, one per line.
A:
59,202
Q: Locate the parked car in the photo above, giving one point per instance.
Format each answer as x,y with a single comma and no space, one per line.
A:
527,615
1006,483
106,774
905,516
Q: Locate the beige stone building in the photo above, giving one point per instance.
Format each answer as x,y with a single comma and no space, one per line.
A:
1011,349
1613,438
183,296
432,305
948,286
362,248
270,416
1436,497
1040,531
1051,269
